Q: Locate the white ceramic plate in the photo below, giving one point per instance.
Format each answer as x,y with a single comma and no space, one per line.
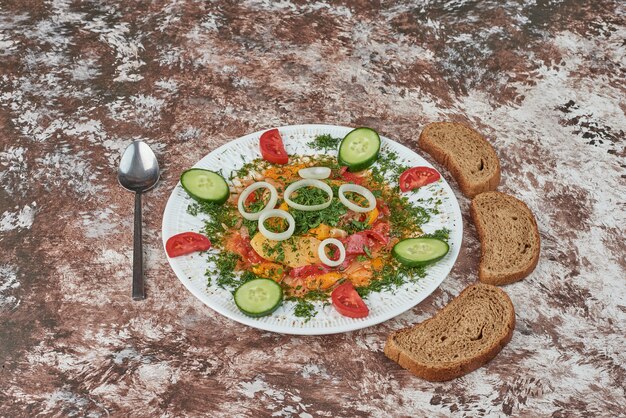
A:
383,306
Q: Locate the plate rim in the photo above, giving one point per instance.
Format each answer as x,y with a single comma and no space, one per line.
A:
356,324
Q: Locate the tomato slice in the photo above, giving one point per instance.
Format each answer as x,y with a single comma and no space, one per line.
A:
240,244
247,252
349,177
347,262
416,177
378,236
186,243
252,197
310,270
382,229
252,256
348,302
354,243
382,207
272,147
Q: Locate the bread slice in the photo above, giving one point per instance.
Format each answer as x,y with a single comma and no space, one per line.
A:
469,157
509,238
460,338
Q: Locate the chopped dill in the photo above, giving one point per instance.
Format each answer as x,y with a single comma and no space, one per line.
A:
245,168
390,277
225,263
442,234
316,295
304,309
309,220
387,166
355,226
246,276
310,196
324,142
258,202
404,215
278,248
218,217
252,226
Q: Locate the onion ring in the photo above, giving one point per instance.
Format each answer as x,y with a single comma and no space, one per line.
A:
322,254
318,173
355,188
253,216
304,183
277,213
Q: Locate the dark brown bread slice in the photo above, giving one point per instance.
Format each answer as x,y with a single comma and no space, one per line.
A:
464,335
469,157
509,238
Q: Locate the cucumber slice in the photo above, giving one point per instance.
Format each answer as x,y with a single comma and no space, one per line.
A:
359,149
258,297
205,185
415,252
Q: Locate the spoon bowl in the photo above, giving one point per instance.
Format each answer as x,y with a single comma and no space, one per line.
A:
138,172
139,168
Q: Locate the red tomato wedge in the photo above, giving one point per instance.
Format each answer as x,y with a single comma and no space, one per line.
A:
382,207
416,177
272,147
349,177
377,236
252,256
252,197
348,302
347,262
354,243
186,243
240,244
310,270
382,229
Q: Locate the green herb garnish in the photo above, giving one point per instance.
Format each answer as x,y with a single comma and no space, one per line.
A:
246,168
355,226
218,216
442,234
252,226
308,220
324,142
391,277
225,263
304,309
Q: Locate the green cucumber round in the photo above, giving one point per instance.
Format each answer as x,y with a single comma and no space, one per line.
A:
414,252
259,297
205,185
359,149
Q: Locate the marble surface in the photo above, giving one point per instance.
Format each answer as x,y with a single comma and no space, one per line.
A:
79,80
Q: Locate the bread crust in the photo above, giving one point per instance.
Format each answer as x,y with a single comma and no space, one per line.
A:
483,276
444,159
439,374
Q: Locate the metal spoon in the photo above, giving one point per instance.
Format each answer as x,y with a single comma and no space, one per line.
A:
138,172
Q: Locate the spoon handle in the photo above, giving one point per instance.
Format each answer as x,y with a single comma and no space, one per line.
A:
138,292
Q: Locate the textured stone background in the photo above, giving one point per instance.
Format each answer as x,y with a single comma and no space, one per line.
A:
543,80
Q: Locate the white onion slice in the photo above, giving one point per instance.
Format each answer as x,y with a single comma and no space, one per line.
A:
277,213
322,254
355,188
314,173
305,183
249,190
